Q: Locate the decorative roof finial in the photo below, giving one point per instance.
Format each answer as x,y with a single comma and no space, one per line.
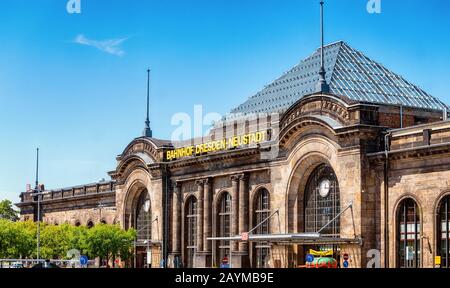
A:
322,85
147,130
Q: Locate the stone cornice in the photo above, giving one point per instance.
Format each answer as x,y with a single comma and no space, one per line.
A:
412,153
221,174
70,198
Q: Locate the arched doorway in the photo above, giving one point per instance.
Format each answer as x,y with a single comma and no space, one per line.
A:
190,231
322,202
143,225
408,235
321,208
443,232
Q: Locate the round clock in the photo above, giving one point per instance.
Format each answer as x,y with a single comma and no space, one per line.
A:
147,205
324,188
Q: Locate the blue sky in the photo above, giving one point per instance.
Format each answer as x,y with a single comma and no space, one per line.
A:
66,88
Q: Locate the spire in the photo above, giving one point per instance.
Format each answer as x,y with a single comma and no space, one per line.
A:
147,130
37,170
322,85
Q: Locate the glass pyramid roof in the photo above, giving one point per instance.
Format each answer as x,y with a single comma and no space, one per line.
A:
349,73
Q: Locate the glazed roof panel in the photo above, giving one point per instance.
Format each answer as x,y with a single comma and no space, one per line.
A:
349,73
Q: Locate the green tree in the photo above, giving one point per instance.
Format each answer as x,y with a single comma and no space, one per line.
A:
78,239
7,211
109,242
15,240
55,240
126,248
28,228
18,240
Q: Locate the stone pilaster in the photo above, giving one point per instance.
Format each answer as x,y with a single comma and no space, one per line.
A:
243,210
200,195
176,219
207,213
234,210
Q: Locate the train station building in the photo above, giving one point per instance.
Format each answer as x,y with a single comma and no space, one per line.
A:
351,158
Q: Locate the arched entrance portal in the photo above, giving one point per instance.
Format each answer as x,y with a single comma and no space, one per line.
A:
143,226
322,201
321,206
315,205
138,214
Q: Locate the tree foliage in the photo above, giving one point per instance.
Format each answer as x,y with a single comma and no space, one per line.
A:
19,240
7,211
109,242
16,239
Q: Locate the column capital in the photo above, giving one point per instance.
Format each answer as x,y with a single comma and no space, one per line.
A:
243,176
176,183
208,180
200,182
204,181
234,178
240,176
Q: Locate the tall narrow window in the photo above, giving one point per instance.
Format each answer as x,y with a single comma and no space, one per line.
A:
408,235
191,231
443,232
224,229
143,218
322,202
261,212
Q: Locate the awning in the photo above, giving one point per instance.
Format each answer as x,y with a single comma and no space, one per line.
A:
296,238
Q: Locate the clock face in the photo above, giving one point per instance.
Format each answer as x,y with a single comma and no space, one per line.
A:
324,188
146,206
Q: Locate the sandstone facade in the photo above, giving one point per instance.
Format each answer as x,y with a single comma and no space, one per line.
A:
321,129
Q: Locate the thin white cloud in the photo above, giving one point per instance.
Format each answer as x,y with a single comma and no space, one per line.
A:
110,46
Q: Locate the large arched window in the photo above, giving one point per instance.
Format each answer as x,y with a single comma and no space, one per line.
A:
322,201
190,231
261,212
223,226
143,218
408,235
443,232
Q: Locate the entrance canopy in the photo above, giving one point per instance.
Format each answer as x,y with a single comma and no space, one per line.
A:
294,239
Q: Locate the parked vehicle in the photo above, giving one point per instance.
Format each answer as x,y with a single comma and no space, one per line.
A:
47,264
16,265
